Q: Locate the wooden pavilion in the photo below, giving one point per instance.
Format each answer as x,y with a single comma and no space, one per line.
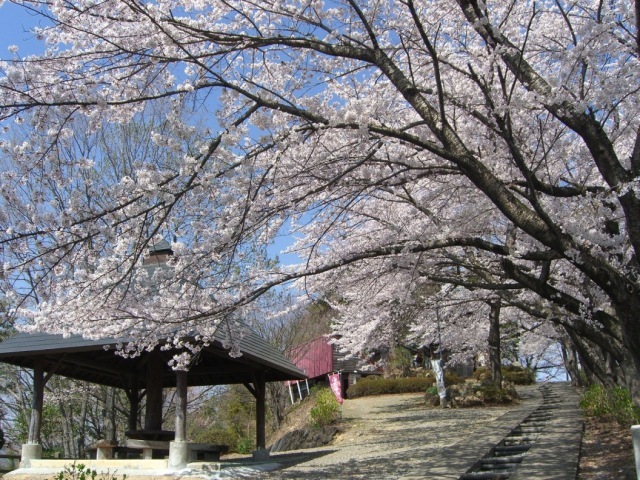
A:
145,376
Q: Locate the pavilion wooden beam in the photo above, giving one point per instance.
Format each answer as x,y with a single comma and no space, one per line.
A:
97,367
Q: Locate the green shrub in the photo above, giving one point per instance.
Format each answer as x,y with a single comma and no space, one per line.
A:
492,395
78,471
518,375
382,386
510,373
326,410
401,360
220,436
612,403
244,445
432,391
481,374
452,378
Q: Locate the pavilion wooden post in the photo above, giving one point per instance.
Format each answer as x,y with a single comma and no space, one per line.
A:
36,403
153,386
33,449
179,449
259,386
258,391
134,396
181,406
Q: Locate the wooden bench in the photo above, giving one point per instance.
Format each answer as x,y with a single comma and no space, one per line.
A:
206,452
152,443
150,448
103,448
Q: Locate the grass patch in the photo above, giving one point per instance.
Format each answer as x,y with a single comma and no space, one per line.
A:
326,409
615,404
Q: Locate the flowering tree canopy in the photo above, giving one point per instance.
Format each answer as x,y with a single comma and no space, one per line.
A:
486,142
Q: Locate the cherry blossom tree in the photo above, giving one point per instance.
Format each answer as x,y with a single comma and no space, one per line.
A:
508,131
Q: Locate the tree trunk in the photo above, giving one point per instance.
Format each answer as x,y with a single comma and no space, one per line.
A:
438,370
570,359
82,435
276,397
66,415
110,415
629,365
495,358
591,359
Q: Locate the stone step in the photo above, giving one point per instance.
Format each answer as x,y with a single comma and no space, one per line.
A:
499,467
528,429
509,459
521,437
533,423
486,476
510,450
502,448
541,421
518,441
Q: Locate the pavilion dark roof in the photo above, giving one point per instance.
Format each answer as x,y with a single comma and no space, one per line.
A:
96,361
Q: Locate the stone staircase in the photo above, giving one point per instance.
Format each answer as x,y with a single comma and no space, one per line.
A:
503,460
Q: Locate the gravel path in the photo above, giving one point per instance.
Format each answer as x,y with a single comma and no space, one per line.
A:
393,437
397,437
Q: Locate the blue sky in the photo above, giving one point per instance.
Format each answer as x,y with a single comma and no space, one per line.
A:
15,23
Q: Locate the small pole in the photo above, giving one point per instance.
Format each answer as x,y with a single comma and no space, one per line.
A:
291,394
341,393
635,436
